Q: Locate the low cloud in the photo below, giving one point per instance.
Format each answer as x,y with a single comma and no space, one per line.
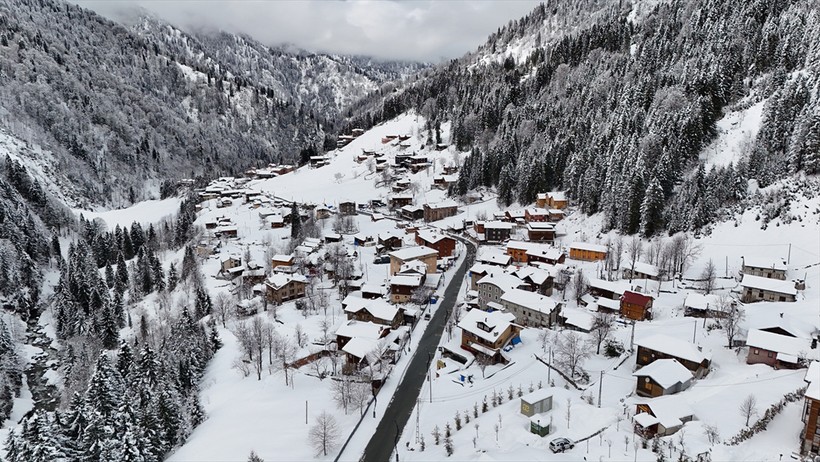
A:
423,30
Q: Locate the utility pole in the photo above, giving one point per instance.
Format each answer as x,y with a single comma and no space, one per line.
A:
600,387
306,412
430,374
695,332
549,366
632,337
418,413
789,258
726,267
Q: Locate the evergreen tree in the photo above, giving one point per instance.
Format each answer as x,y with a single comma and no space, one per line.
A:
295,221
652,209
172,277
109,275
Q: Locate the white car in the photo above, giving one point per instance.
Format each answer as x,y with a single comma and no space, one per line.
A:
561,445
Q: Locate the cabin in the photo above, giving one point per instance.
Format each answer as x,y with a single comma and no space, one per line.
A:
541,232
398,201
536,215
531,309
331,237
281,260
770,269
606,289
230,262
512,216
662,416
226,231
778,350
422,253
377,311
635,306
445,245
389,240
412,212
587,252
557,200
497,231
440,210
662,377
347,208
281,287
537,402
640,270
321,212
661,346
701,306
810,435
576,319
352,328
759,289
403,284
536,279
373,291
487,334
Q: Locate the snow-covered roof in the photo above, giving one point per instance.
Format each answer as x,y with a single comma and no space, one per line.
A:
558,195
673,347
665,372
588,246
389,234
536,275
353,329
764,263
374,288
550,253
609,286
431,236
608,303
379,308
530,300
641,267
777,343
279,280
498,225
579,318
803,328
494,256
281,257
537,211
442,205
410,253
813,372
698,301
481,268
407,280
413,266
360,346
540,226
503,281
537,395
497,321
412,208
668,410
771,285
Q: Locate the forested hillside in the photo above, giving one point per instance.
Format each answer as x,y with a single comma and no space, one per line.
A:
617,108
124,108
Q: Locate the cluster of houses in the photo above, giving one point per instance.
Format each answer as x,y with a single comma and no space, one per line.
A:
271,171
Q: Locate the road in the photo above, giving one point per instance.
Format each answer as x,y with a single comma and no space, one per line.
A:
387,433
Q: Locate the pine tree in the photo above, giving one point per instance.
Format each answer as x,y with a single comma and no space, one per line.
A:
295,222
172,277
652,209
121,277
109,275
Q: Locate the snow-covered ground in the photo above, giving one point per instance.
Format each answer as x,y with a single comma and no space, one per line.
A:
144,213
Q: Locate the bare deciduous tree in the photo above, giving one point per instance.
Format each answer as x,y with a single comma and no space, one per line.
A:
580,285
324,434
571,352
748,408
634,250
223,305
729,318
708,276
602,327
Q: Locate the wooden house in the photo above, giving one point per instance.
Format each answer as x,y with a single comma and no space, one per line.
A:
412,212
661,346
662,416
497,231
810,434
440,210
587,252
486,334
662,377
445,245
635,306
404,283
536,215
347,208
390,240
398,201
281,287
541,232
377,311
422,253
758,289
531,309
770,269
281,260
780,350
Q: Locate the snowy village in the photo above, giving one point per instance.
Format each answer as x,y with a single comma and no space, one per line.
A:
354,285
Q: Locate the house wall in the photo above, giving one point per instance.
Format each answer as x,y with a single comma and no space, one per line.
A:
761,356
438,214
538,407
496,234
811,429
770,273
519,255
430,261
540,235
751,295
532,318
289,291
634,311
586,255
445,247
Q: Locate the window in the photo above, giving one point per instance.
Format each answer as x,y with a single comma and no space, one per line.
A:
771,355
757,352
782,298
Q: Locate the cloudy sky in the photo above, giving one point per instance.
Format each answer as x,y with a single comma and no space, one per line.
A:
428,30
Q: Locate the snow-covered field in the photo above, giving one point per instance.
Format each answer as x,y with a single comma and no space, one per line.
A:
144,213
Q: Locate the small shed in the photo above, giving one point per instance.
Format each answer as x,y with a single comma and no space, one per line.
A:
537,402
540,424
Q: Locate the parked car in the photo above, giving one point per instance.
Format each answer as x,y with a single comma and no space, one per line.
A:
561,445
381,259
